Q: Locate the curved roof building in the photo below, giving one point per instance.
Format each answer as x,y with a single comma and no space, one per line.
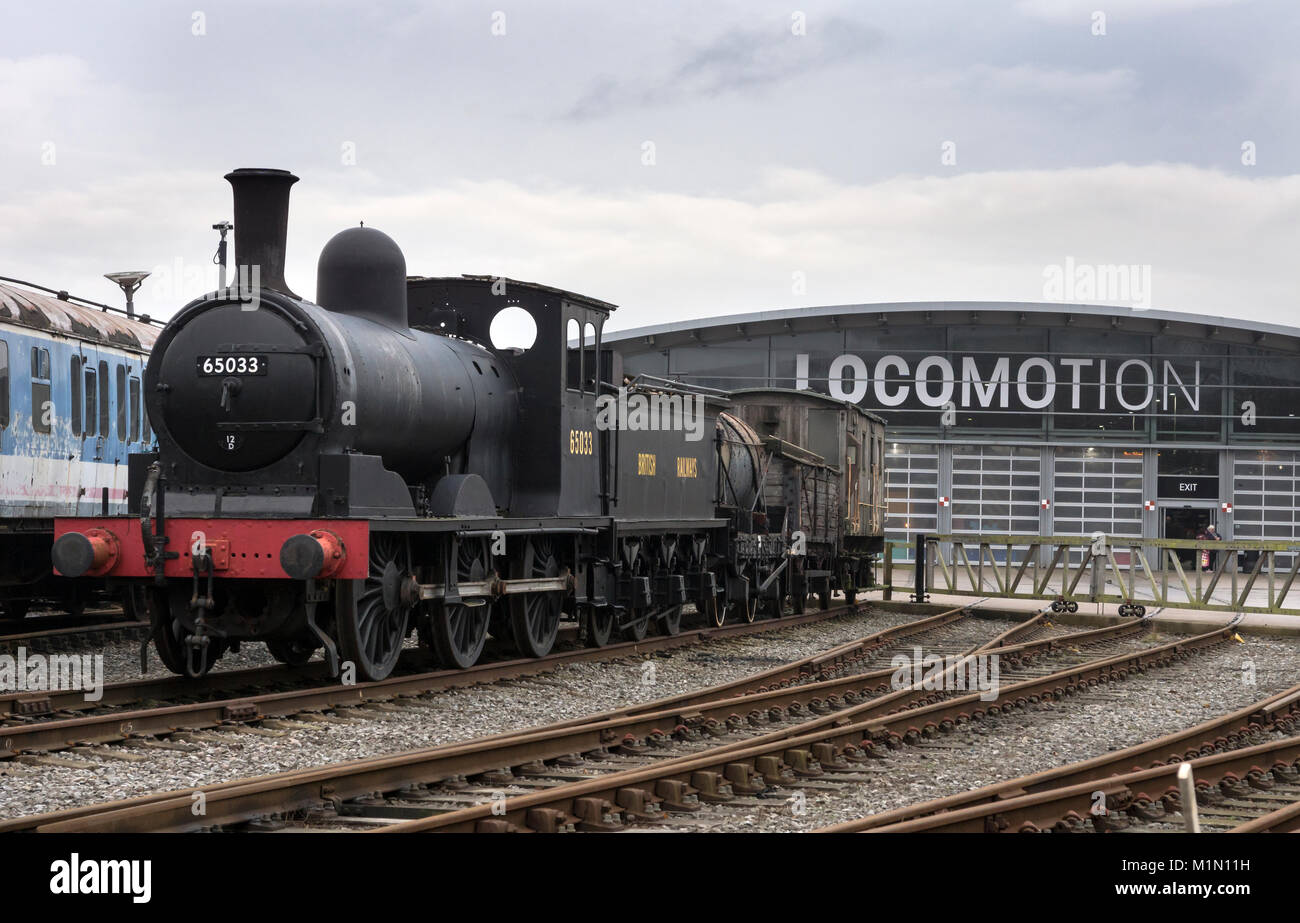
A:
1034,418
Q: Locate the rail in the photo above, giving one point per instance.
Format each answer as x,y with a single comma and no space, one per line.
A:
1221,576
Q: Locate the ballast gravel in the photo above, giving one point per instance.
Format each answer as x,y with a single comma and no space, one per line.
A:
447,716
1043,736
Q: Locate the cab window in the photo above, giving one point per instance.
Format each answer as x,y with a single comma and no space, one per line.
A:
573,355
590,377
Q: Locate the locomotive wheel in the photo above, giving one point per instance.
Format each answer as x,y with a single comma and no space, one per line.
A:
135,602
456,632
169,636
75,602
671,620
714,613
291,652
535,617
795,600
637,630
600,625
747,608
372,619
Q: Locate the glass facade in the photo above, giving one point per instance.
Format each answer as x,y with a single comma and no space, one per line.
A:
1098,490
1266,505
911,492
995,489
1111,420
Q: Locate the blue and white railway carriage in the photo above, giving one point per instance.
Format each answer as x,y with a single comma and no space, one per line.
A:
71,410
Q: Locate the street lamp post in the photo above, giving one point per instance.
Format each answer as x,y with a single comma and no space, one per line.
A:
129,283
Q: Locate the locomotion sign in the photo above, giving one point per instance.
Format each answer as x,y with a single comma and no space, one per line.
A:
1006,383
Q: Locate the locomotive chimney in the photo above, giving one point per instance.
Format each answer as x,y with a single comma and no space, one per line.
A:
261,225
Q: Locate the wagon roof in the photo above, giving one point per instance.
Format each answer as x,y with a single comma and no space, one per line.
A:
814,397
24,307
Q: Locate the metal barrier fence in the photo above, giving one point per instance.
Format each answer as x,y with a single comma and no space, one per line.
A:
1108,569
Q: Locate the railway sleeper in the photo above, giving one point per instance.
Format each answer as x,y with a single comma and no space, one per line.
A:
31,707
743,779
639,804
802,763
676,796
774,771
499,825
830,759
711,787
550,820
598,815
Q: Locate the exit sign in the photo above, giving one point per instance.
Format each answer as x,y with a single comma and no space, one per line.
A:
1189,487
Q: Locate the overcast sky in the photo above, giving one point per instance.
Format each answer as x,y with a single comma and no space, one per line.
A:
680,159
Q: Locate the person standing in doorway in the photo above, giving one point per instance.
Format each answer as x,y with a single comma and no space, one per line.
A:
1212,557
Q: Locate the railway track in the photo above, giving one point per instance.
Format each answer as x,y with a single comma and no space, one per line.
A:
44,722
62,632
810,753
837,737
1248,790
1278,714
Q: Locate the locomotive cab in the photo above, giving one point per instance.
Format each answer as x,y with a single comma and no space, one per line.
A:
556,441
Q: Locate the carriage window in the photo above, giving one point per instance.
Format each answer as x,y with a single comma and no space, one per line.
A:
92,403
42,409
135,408
40,363
121,402
589,375
573,356
75,378
4,383
105,401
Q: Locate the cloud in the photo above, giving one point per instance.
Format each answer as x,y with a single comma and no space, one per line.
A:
1081,10
30,84
1216,243
1032,80
737,60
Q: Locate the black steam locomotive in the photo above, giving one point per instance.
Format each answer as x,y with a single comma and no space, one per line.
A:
335,475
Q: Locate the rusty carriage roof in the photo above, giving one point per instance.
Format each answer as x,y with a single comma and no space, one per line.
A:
23,307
